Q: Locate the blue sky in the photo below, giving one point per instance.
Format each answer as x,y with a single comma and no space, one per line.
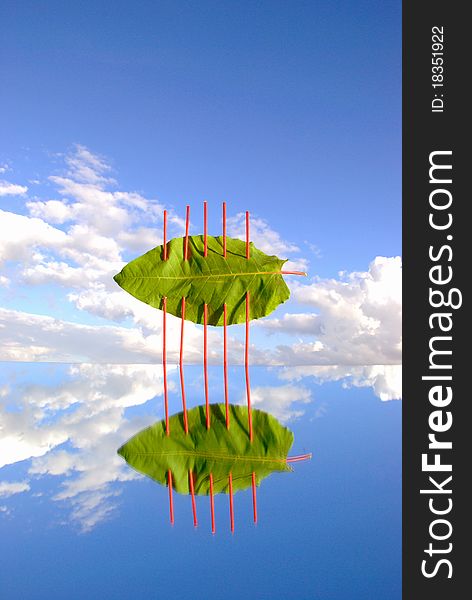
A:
112,115
290,111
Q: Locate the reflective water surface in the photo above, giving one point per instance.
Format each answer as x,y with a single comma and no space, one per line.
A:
77,521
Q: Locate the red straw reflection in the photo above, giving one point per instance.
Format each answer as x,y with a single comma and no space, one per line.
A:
254,497
212,505
164,333
246,351
192,493
225,363
164,361
205,364
225,330
171,500
246,367
231,507
298,458
181,367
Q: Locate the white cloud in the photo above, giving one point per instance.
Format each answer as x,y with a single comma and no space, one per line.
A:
54,211
294,323
358,319
39,338
87,167
297,264
99,226
141,239
12,189
265,238
8,488
30,337
20,235
314,249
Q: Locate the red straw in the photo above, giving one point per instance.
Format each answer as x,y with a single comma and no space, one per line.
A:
205,230
164,242
224,229
171,500
212,505
254,497
247,236
231,507
164,361
187,222
205,363
194,505
181,366
225,363
246,367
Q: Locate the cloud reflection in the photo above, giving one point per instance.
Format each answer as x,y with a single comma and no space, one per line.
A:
385,380
68,423
72,430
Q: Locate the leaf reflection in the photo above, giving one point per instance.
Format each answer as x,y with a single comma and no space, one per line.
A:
217,451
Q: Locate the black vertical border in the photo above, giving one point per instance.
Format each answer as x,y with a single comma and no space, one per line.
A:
423,133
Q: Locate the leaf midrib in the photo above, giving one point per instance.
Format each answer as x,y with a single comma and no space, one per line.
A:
247,458
208,276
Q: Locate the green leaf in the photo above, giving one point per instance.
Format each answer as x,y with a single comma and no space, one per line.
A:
215,450
211,280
